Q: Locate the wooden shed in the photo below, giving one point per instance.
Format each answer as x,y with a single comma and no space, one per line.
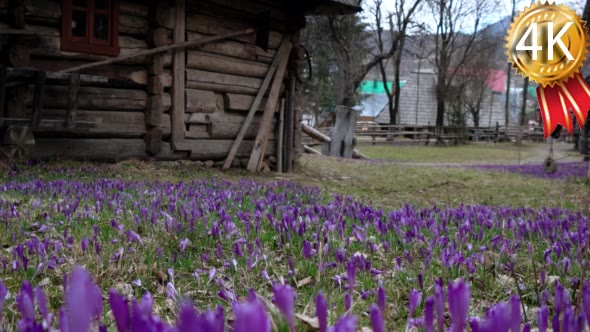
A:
185,79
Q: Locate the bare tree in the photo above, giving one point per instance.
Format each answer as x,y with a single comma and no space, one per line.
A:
475,90
355,77
453,46
476,75
399,22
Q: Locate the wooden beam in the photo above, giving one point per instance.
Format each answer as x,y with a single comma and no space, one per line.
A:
3,78
283,52
175,46
280,138
18,32
38,97
315,134
273,97
72,101
178,78
311,150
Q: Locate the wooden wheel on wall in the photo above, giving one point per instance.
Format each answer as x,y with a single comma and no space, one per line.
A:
17,143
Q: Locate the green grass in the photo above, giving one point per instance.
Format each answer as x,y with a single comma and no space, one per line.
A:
471,153
391,185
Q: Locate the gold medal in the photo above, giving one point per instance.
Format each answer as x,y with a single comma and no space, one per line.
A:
548,43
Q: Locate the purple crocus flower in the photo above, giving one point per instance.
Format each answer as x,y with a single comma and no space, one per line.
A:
307,250
421,281
459,298
585,300
526,327
351,274
171,291
439,303
321,310
3,292
141,313
64,323
346,323
120,309
211,274
381,299
42,303
250,316
183,244
284,300
514,313
189,321
377,319
133,237
26,302
543,319
429,314
347,302
84,244
415,300
81,300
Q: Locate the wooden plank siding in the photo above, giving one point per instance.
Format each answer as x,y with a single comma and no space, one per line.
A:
187,104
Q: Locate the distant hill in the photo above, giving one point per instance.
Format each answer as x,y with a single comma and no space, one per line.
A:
498,29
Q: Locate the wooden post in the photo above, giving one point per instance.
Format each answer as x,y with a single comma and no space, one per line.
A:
282,52
273,97
343,140
280,138
72,101
3,78
290,123
153,141
38,97
178,78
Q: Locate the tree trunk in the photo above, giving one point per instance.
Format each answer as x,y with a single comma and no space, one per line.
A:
398,61
524,97
440,109
476,119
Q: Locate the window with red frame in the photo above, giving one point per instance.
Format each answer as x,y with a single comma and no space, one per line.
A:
90,26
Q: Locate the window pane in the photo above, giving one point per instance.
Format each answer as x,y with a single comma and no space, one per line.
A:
101,27
78,24
100,4
79,3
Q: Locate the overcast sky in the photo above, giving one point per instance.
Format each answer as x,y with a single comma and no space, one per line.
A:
504,7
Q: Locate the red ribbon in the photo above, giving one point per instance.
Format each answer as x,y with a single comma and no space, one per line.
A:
557,101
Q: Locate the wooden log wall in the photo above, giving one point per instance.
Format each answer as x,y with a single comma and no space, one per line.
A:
130,114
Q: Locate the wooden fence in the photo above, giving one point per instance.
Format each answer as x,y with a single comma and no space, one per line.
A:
369,133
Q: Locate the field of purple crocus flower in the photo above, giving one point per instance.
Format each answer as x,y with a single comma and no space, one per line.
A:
89,246
565,171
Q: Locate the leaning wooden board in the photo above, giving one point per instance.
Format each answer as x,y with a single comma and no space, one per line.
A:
280,61
267,117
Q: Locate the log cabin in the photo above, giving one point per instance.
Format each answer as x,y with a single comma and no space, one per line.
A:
107,80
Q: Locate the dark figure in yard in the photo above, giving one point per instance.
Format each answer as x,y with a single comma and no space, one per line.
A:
585,141
576,135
